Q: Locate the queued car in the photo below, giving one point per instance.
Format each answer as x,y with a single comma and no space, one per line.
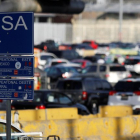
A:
83,63
132,63
73,65
111,72
126,92
87,90
55,61
57,72
92,43
66,54
49,99
44,56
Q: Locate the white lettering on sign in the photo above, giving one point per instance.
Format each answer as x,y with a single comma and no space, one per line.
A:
11,24
4,63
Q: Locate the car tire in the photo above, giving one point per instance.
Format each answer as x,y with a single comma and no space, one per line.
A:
94,106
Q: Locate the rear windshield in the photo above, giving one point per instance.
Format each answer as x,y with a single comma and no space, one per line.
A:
55,63
127,86
131,61
68,69
90,69
117,68
69,85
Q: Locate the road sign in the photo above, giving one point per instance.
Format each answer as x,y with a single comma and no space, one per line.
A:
17,89
17,66
16,33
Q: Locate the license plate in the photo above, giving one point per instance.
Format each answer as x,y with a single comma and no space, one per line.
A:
124,98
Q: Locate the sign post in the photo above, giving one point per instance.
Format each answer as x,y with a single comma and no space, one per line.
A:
16,38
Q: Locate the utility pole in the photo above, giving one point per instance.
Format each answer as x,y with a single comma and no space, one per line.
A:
120,20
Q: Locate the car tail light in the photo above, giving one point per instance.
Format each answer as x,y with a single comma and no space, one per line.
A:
40,107
112,93
59,61
137,92
129,75
12,107
138,63
122,63
84,95
1,101
107,75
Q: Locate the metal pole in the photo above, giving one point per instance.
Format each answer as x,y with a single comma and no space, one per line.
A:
8,120
120,20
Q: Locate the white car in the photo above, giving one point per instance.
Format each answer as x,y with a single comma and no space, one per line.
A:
44,56
132,63
55,61
126,92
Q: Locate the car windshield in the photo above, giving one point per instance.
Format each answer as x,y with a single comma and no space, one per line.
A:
69,85
117,68
132,61
127,86
68,69
46,57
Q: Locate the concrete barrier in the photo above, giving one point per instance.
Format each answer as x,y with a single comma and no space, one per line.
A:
68,125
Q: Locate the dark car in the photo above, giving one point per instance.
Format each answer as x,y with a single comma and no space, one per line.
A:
49,99
59,71
67,54
82,46
89,91
83,63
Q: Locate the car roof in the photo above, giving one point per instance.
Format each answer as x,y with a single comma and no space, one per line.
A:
130,79
80,60
133,57
69,65
76,78
48,54
58,59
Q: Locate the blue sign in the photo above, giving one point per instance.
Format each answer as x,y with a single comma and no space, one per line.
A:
16,33
17,66
17,89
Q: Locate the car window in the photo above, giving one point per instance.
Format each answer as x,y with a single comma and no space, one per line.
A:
63,99
117,68
68,69
53,71
51,98
98,85
89,84
106,85
131,61
102,68
55,63
124,86
90,69
69,85
46,57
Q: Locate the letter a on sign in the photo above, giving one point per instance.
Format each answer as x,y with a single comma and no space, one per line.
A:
23,23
